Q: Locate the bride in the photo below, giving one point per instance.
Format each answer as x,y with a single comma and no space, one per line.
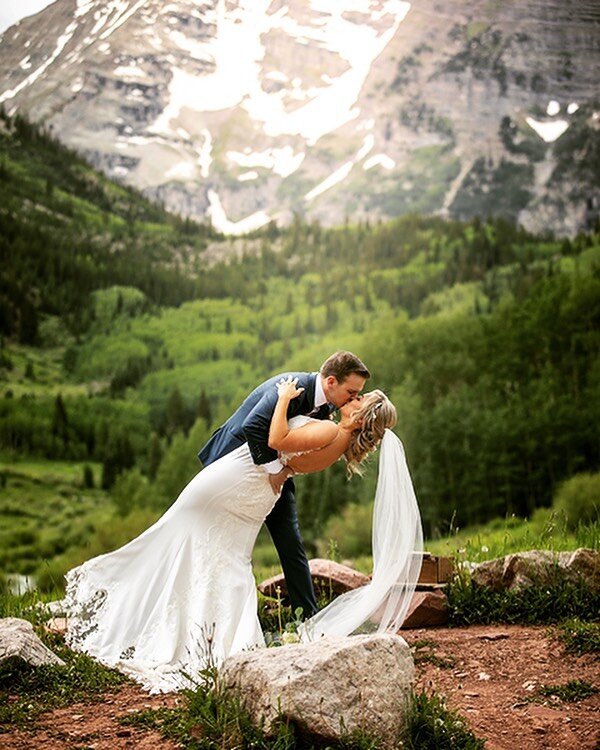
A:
182,594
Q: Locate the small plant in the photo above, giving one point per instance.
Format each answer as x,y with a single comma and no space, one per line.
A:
579,499
288,632
423,653
548,602
570,692
580,637
431,725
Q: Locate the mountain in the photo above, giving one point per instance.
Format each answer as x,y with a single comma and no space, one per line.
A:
249,111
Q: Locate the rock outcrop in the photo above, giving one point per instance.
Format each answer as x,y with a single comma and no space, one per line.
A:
247,112
19,641
329,577
539,567
327,688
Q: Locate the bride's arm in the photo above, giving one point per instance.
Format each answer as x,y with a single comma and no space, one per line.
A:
309,437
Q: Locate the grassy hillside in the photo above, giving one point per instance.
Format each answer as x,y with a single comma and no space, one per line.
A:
125,341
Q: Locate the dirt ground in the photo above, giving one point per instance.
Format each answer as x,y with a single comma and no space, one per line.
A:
495,670
486,673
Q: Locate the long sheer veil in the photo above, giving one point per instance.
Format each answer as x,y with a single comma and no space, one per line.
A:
397,541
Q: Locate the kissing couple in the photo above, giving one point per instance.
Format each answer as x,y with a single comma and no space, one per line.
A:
149,607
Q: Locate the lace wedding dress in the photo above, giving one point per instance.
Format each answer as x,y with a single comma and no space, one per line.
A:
182,594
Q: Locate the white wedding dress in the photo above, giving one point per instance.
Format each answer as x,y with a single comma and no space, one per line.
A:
182,596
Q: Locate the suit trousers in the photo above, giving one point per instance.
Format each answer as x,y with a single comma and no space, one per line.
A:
282,523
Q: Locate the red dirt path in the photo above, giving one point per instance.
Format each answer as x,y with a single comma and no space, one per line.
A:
495,670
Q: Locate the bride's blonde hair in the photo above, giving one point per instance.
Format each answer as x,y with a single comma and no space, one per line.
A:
375,416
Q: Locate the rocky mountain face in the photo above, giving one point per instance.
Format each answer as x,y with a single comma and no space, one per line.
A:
250,110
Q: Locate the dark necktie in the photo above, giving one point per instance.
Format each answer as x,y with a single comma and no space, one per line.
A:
323,412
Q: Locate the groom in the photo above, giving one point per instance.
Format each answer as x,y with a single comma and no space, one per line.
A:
340,379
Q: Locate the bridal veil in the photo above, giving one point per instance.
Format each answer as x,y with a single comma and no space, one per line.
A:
397,541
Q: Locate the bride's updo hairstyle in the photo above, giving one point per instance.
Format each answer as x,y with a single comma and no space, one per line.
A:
374,417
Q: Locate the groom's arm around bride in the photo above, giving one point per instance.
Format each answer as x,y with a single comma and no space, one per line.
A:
340,379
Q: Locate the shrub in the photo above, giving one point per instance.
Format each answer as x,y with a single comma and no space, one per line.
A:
351,531
579,499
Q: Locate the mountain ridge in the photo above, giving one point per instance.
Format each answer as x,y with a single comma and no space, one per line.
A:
251,112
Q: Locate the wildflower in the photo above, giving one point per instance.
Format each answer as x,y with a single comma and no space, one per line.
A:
485,548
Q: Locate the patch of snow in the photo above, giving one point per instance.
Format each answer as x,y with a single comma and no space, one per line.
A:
104,47
572,108
61,43
276,75
236,79
83,7
282,161
548,131
25,63
379,160
220,221
553,108
197,50
337,176
77,86
121,19
131,71
367,146
366,125
184,170
248,176
205,156
120,171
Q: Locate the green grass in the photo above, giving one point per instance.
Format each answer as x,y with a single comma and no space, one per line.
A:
570,692
545,529
580,637
210,717
43,515
432,726
550,602
25,691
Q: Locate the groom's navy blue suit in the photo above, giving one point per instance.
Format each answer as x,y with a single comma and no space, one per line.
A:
250,423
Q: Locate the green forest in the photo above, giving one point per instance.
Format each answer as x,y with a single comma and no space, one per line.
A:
128,334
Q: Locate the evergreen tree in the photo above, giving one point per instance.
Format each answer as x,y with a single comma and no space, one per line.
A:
60,421
175,414
204,408
154,455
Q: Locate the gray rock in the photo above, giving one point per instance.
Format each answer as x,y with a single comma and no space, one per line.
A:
19,641
329,687
539,567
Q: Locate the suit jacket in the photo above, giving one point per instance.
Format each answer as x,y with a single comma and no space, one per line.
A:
250,423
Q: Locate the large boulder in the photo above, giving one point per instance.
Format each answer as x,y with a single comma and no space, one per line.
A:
327,688
19,641
539,567
328,577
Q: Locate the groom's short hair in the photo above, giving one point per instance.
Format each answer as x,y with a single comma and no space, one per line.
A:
341,364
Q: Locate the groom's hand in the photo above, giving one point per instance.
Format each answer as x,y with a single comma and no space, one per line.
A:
277,480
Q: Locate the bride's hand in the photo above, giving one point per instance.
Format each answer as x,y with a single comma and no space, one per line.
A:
287,388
